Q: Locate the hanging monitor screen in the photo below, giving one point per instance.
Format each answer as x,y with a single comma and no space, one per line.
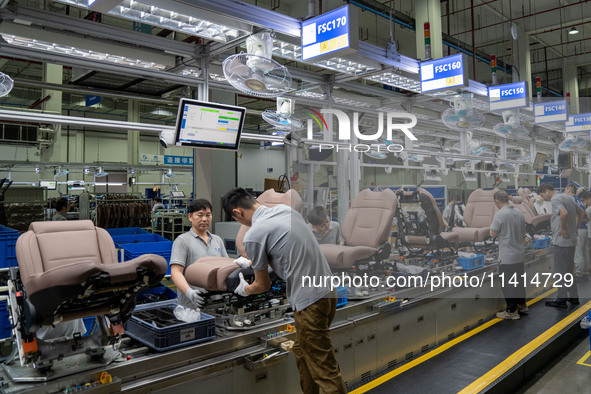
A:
49,185
539,161
209,125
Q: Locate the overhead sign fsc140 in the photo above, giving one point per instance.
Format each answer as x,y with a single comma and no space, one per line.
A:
512,95
554,111
444,73
329,35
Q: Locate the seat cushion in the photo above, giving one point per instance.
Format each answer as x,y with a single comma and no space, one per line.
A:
210,272
470,234
452,238
341,256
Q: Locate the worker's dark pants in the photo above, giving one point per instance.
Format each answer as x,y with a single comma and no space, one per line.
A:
513,285
564,263
313,349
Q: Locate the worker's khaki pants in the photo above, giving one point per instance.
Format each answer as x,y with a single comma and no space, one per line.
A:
313,349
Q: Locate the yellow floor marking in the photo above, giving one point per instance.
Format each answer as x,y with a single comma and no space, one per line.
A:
584,358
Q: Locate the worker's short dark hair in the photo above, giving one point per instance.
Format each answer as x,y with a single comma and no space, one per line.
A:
572,187
317,216
61,204
544,187
458,197
501,196
157,199
237,198
200,204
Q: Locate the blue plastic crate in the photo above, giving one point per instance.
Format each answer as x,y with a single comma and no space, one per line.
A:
342,296
126,231
542,243
136,238
132,251
470,263
5,328
160,291
173,336
8,239
88,323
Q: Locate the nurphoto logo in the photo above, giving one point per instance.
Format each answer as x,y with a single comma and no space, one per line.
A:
344,134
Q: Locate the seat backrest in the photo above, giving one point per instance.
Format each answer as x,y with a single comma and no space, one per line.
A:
427,204
480,208
291,198
518,203
369,220
49,245
528,200
270,198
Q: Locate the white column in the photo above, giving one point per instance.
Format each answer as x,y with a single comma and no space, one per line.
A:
428,11
571,84
53,73
133,136
522,71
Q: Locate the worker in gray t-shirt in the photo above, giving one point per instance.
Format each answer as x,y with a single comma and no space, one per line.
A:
279,238
509,226
325,230
566,219
191,246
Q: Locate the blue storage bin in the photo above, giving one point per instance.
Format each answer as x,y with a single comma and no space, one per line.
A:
88,323
5,328
542,243
342,298
470,263
136,238
132,251
160,291
126,231
173,336
8,239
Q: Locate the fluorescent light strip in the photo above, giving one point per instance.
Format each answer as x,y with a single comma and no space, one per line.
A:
313,95
190,72
397,80
352,103
152,15
81,53
290,51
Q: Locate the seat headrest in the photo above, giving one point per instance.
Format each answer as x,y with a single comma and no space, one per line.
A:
517,199
59,226
291,198
524,192
366,198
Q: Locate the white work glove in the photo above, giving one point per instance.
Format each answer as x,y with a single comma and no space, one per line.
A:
241,289
242,262
195,296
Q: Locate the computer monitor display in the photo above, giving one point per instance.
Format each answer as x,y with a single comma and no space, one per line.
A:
565,160
49,185
539,161
209,125
179,194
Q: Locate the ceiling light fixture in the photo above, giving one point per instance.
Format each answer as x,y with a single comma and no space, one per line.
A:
80,53
573,30
167,19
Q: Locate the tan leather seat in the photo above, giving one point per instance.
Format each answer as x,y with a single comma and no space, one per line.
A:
434,220
478,216
211,273
538,221
69,270
366,226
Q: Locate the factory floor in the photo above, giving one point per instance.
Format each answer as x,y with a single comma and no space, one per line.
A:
569,373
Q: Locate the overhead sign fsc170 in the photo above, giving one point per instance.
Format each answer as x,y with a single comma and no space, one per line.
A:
329,35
